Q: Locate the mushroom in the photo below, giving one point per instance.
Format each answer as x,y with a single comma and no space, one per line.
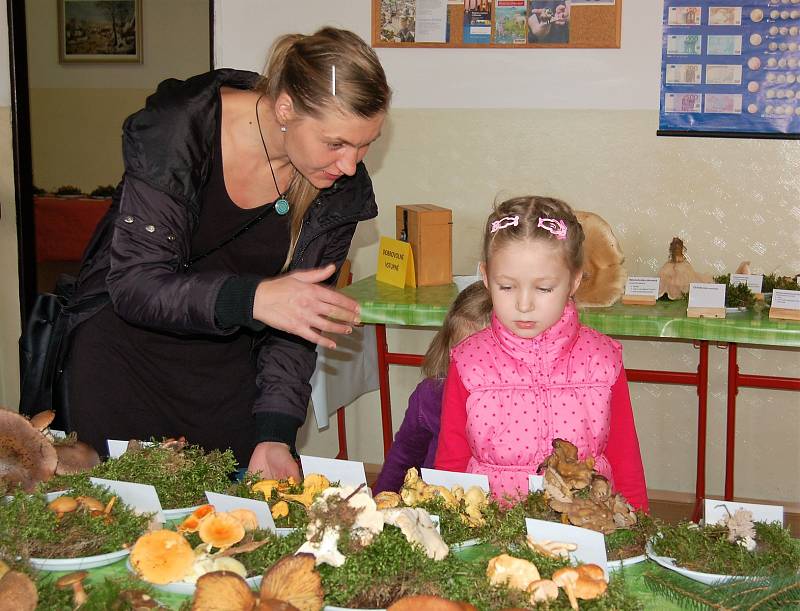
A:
542,591
192,522
316,482
369,521
586,582
75,582
551,549
324,548
221,530
576,473
294,580
41,421
424,602
62,504
677,273
246,518
567,578
222,590
415,523
26,456
75,457
475,501
387,499
91,504
306,498
162,556
603,273
280,510
17,592
139,599
265,487
513,572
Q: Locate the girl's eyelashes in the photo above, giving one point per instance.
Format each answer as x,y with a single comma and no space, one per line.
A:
545,290
335,145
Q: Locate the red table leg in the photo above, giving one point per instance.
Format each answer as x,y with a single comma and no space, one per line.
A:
386,398
702,421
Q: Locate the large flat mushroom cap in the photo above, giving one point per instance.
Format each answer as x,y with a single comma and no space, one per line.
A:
604,275
17,592
26,455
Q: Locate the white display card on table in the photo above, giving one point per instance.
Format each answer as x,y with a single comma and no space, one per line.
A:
641,290
141,497
716,510
117,447
346,472
785,304
535,483
753,281
706,300
226,502
591,544
448,479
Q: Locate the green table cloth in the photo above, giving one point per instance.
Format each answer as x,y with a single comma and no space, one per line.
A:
426,307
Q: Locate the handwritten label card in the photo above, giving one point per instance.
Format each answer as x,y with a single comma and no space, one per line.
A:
395,263
448,479
346,472
141,497
225,502
642,286
535,483
591,544
753,281
714,511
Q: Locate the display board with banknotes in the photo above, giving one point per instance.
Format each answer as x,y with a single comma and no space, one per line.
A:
731,67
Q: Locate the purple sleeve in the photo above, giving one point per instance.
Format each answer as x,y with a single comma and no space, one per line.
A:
412,442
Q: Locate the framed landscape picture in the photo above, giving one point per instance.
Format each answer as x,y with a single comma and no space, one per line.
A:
99,31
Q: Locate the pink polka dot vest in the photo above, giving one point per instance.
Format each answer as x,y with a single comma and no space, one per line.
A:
523,393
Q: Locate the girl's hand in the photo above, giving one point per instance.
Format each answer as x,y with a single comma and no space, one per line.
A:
274,461
297,304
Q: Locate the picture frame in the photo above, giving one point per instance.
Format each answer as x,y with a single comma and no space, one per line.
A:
99,31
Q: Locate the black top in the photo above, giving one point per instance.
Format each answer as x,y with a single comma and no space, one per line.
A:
135,382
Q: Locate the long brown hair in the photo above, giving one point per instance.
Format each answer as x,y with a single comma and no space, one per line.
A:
528,211
470,312
301,66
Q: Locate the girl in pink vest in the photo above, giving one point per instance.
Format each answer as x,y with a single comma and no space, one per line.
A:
536,373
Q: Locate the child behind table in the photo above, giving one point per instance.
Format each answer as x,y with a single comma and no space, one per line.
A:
415,442
537,374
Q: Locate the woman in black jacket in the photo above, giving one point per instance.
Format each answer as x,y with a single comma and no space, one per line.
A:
202,292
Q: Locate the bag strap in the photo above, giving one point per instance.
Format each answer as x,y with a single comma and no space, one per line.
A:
241,231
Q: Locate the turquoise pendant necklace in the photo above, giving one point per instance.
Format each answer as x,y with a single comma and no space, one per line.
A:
281,204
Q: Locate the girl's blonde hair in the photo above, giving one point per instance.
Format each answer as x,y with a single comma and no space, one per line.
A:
529,210
302,66
470,312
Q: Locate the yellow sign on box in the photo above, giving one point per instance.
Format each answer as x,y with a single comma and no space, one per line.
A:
395,263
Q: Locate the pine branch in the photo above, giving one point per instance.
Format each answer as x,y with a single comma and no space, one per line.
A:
684,593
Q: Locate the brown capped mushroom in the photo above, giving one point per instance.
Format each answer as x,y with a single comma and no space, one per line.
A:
74,581
162,556
387,499
221,530
513,572
566,579
192,521
222,591
26,455
272,604
138,600
17,592
75,457
603,273
542,591
424,602
295,580
41,421
62,504
91,504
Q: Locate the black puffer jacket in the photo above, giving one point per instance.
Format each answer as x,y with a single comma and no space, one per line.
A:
136,255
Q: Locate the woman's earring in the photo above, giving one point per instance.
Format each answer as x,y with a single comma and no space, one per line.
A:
283,128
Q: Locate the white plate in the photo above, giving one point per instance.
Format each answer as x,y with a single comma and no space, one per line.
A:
706,578
735,310
179,513
464,544
615,565
181,587
78,564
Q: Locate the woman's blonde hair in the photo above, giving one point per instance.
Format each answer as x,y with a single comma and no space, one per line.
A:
527,227
470,312
302,67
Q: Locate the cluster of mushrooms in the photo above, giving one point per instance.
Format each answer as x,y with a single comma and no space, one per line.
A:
565,476
29,454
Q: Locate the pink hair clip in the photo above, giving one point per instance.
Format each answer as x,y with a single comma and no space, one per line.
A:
506,221
555,226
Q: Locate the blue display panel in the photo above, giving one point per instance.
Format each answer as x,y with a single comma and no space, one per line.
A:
731,67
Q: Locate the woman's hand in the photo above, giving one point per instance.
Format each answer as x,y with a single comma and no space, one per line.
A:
274,461
297,304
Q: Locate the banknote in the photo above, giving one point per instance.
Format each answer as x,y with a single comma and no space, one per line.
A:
723,103
725,15
689,44
684,15
723,45
682,102
723,74
683,74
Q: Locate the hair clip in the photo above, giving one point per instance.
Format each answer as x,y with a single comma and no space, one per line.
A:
506,221
555,226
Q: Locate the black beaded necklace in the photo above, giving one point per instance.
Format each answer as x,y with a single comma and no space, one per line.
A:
281,204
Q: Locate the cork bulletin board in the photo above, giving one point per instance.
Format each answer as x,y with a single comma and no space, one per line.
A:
497,24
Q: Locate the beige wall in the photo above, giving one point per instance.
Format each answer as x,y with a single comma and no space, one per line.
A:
729,199
77,109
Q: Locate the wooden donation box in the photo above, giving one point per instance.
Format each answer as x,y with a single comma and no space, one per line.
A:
429,230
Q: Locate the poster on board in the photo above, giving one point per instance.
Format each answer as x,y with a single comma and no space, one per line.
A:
730,70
